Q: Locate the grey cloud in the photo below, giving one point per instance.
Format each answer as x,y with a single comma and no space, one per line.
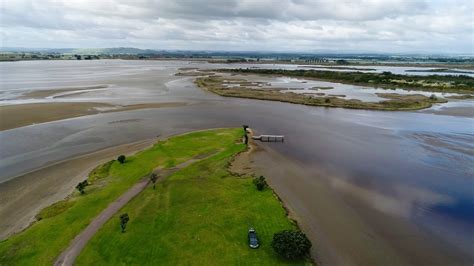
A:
296,25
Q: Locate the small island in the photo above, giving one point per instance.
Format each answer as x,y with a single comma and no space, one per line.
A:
394,102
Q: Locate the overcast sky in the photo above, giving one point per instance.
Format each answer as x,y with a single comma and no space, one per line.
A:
427,26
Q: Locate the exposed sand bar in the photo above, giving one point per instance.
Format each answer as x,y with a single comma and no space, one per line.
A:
23,197
50,92
13,116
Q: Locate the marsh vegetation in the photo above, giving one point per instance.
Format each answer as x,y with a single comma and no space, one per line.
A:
438,83
394,102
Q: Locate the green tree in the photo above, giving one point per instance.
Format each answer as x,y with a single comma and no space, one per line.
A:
123,221
121,159
260,183
153,178
291,244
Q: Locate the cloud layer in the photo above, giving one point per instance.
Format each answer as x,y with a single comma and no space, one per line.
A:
434,26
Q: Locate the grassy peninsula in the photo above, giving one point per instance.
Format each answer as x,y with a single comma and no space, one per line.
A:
436,83
394,102
200,214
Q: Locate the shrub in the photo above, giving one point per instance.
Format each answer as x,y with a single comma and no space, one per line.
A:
433,97
124,218
260,183
153,178
121,159
81,186
291,244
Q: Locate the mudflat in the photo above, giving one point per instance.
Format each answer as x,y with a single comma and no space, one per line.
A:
13,116
50,92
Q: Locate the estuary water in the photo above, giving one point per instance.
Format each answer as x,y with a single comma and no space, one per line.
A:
412,167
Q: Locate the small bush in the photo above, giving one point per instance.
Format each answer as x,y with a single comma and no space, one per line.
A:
124,218
81,186
121,159
260,183
433,97
291,244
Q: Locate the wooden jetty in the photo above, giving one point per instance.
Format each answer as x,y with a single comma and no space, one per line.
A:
269,138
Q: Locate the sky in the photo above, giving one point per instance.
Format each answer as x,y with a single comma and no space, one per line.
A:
388,26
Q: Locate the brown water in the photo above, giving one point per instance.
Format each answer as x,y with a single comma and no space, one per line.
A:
404,180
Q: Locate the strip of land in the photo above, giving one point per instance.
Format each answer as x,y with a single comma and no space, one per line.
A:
441,70
13,116
49,92
395,102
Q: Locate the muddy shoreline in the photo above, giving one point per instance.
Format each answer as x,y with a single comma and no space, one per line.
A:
13,116
24,196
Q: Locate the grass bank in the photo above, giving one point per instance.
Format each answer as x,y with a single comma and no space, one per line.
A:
395,102
200,214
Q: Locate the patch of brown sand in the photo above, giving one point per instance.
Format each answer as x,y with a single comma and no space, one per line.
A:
21,198
13,116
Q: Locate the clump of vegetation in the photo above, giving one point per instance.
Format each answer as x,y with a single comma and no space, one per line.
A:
82,186
433,97
123,221
153,178
260,183
55,209
100,171
291,244
121,159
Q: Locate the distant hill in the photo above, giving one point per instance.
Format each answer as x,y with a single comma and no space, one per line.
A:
127,52
113,51
85,51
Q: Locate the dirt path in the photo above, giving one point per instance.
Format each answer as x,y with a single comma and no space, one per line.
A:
68,256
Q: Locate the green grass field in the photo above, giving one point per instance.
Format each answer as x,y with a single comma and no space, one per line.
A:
199,215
